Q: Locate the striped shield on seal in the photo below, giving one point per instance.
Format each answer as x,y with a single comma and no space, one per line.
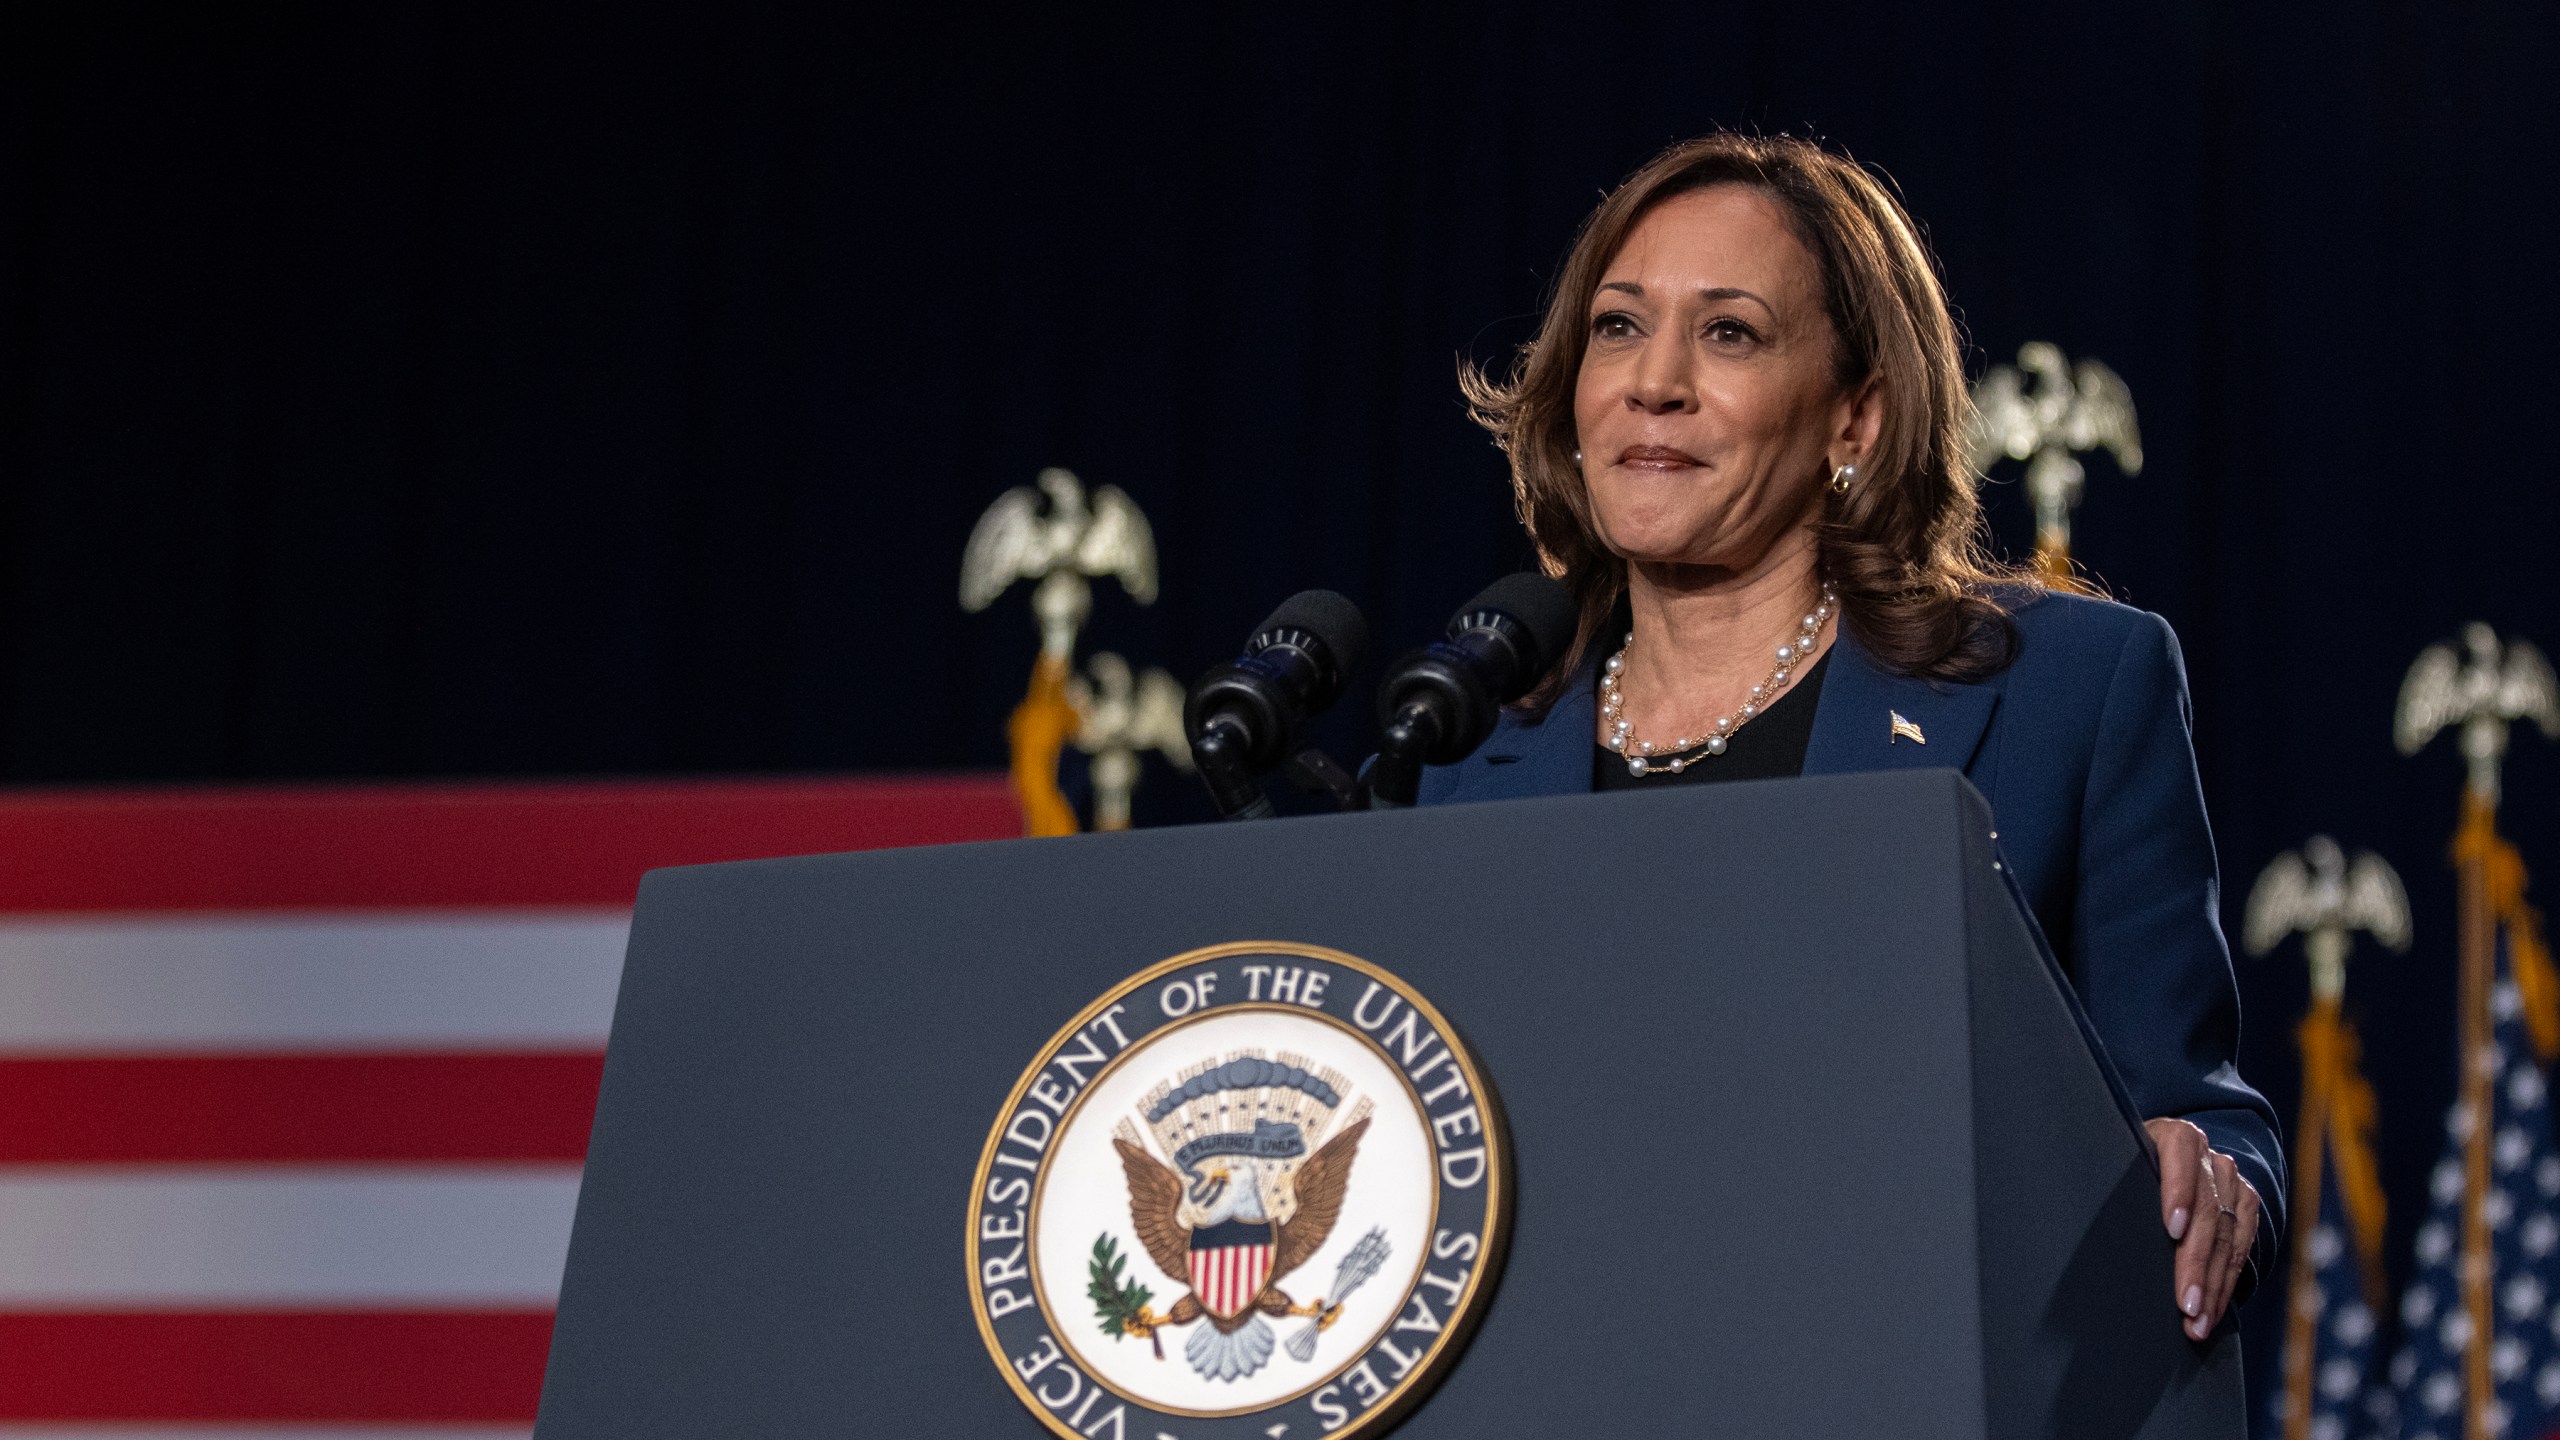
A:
1229,1265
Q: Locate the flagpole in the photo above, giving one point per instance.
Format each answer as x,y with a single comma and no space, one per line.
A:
2478,963
1077,537
2322,896
2479,695
2302,1297
2041,411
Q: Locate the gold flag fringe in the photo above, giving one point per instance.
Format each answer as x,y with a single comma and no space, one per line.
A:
2503,881
2331,1067
2335,1136
1039,731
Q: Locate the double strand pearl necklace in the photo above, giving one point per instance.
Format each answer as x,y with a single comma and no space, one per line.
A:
1645,757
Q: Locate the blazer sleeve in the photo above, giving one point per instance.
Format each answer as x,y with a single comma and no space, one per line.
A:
2153,968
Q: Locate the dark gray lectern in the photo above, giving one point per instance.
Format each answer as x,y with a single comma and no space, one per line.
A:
1807,1139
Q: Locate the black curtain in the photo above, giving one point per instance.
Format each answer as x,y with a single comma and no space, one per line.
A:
400,390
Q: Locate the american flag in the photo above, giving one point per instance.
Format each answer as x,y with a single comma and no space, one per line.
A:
2336,1361
298,1085
2336,1278
2426,1392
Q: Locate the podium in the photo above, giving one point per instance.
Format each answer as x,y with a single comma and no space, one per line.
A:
1808,1136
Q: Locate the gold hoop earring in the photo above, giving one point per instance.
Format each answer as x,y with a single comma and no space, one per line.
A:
1843,478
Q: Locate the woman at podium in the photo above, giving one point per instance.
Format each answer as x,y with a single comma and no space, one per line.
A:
1739,438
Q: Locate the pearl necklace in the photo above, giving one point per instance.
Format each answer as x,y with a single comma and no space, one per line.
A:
1644,757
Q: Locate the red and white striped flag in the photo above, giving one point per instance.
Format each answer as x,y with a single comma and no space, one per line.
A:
295,1085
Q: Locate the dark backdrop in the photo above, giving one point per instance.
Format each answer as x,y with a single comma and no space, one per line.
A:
401,391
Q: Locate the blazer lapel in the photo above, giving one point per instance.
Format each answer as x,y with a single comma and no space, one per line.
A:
1552,757
1872,719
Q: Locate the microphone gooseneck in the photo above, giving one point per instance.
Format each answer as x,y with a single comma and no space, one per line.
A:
1440,702
1244,717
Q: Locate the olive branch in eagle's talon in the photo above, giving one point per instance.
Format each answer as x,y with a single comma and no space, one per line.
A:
1121,1303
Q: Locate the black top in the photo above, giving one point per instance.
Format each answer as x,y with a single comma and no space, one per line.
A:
1770,747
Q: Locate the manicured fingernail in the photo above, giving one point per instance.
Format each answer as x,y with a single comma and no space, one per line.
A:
2178,1223
2194,1303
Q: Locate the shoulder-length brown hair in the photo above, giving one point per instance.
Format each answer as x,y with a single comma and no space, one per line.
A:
1904,545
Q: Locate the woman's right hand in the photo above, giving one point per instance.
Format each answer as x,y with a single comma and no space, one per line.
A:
2213,1215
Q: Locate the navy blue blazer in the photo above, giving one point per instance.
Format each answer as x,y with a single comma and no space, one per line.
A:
2083,749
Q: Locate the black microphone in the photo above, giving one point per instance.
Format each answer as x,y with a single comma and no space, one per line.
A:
1243,717
1441,702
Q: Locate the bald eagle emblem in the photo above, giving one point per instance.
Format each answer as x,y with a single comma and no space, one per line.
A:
1249,1196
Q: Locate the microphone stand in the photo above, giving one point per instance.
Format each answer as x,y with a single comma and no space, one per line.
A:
1394,774
1218,757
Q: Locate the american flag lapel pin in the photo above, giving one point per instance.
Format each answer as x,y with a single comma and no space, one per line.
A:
1902,727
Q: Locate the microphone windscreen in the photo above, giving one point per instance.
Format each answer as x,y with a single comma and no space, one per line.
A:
1331,618
1542,605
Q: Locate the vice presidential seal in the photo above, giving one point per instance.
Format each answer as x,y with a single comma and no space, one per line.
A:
1256,1190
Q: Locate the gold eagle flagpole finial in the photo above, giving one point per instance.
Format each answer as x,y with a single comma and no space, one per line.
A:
2071,409
1074,540
1122,714
2482,694
2319,894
